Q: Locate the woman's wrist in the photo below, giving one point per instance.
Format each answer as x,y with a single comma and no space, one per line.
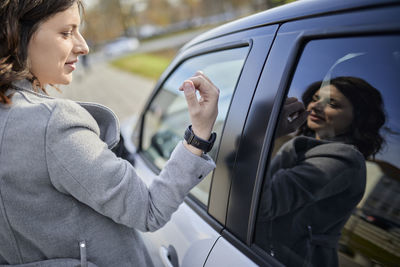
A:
199,142
193,149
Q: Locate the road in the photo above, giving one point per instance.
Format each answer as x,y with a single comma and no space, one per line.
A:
123,92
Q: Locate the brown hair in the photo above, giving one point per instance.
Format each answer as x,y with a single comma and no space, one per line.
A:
20,20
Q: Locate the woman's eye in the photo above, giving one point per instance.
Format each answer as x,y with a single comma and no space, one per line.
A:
333,105
66,34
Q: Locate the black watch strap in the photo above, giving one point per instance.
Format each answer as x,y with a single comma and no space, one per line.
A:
198,142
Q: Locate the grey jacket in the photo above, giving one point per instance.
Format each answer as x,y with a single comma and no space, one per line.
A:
311,189
60,184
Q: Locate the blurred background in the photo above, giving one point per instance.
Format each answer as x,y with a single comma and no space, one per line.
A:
143,19
133,41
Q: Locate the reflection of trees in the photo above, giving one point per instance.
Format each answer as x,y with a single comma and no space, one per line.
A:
373,231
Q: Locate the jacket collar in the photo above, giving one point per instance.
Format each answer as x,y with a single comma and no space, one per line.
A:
106,119
342,138
23,84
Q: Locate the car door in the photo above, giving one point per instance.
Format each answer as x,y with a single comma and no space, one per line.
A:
233,62
362,44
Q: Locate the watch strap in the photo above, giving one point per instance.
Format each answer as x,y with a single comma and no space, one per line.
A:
198,142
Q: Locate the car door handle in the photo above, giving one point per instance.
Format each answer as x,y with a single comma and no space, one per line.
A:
168,256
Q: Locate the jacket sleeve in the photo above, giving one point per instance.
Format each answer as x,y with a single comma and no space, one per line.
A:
80,164
322,172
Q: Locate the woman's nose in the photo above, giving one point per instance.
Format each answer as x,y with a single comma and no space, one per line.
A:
81,46
317,105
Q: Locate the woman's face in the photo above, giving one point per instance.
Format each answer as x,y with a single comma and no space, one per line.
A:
54,48
331,113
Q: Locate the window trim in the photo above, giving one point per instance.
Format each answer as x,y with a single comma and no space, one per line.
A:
201,210
262,39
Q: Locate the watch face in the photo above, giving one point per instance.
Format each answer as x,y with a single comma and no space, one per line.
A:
196,143
193,140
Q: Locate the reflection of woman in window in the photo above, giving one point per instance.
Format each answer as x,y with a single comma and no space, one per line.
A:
317,178
365,108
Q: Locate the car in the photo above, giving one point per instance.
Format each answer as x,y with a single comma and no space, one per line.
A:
256,62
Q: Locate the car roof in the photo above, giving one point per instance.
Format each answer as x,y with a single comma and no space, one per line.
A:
293,11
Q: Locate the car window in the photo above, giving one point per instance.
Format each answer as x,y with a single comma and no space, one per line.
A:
167,118
318,206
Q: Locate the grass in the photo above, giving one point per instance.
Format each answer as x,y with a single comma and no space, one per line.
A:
149,65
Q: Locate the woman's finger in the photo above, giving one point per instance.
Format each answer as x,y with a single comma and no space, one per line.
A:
200,73
300,120
294,107
190,94
204,86
290,100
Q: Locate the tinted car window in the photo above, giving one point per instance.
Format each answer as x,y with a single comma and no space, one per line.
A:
167,117
331,192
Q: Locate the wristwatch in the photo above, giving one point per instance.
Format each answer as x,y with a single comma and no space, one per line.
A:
197,142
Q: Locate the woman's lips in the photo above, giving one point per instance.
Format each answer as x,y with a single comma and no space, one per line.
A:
315,117
71,64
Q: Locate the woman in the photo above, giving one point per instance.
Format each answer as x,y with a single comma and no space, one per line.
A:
316,179
65,197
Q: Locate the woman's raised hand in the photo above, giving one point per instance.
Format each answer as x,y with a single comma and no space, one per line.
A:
203,111
293,116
